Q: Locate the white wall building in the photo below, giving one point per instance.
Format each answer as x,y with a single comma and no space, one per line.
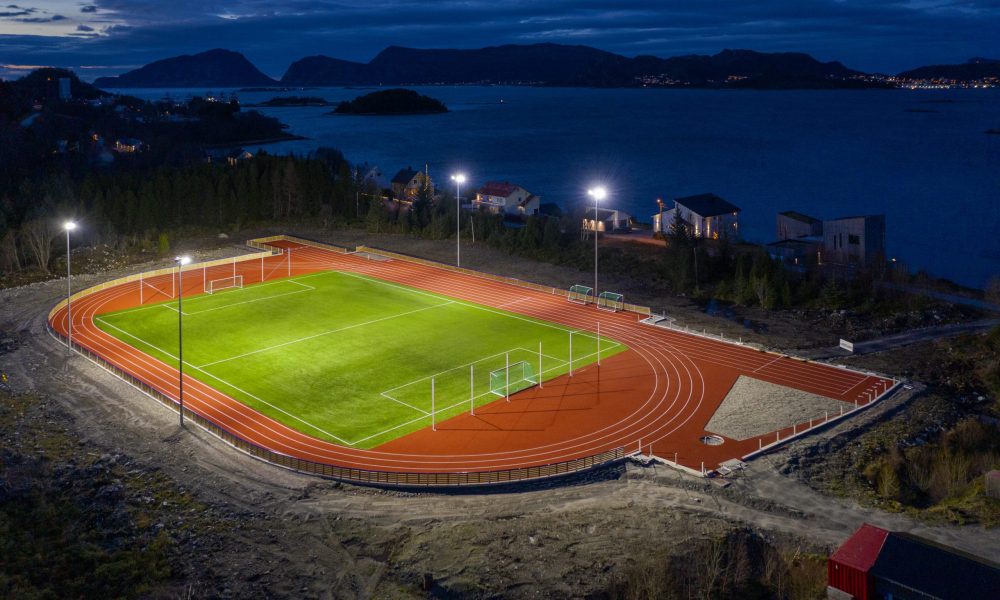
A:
506,198
708,215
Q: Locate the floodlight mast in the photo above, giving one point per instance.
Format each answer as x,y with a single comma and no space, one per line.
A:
181,262
598,193
69,226
459,179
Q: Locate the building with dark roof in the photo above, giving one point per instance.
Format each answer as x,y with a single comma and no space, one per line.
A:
506,198
876,564
608,220
407,183
707,215
792,224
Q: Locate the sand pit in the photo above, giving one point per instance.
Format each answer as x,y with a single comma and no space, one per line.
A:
754,407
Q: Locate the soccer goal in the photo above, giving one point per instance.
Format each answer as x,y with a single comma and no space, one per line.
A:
580,294
510,380
217,285
611,301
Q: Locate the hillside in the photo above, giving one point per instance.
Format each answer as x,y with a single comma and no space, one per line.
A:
972,70
556,64
214,68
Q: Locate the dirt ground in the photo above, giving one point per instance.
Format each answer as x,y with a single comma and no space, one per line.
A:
283,535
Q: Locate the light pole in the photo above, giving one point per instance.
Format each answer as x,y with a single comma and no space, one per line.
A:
69,226
459,179
181,261
598,193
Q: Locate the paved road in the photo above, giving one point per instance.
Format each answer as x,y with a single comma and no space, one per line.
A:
906,338
945,296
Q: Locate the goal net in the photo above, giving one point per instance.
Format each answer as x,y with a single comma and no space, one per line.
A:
580,294
510,380
216,285
611,301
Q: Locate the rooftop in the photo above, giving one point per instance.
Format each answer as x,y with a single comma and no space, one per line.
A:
496,188
707,205
791,214
405,176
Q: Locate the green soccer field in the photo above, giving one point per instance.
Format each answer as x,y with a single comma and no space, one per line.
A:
351,359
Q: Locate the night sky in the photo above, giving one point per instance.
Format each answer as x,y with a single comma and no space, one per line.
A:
110,36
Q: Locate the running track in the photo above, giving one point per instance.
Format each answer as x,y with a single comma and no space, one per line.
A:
660,393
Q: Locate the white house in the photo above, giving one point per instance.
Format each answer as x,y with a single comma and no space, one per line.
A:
708,215
507,199
608,220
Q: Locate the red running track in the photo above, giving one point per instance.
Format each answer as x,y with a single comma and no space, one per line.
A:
660,393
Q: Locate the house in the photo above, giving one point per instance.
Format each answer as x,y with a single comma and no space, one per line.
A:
876,564
230,156
798,252
370,176
407,183
792,225
850,240
128,146
708,215
506,199
608,220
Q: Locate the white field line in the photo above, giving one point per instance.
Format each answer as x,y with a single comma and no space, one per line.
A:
768,364
224,382
197,298
198,312
322,333
538,322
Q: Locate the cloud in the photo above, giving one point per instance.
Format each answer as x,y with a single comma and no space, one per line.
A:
51,19
84,28
13,10
88,8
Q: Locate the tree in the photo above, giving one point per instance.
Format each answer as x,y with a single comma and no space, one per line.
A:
38,236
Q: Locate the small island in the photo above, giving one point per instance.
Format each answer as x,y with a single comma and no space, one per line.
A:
280,101
391,102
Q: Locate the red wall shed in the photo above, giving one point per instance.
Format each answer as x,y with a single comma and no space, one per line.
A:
849,567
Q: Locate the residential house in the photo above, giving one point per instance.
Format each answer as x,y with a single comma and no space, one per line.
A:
230,156
708,216
407,183
854,239
608,220
507,199
128,146
372,176
843,241
793,225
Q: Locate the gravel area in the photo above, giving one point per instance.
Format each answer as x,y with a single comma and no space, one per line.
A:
754,407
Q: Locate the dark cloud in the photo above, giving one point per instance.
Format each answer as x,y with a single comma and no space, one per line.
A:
51,19
13,10
88,8
84,28
886,35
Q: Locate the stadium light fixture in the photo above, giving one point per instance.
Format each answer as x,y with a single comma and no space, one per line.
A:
69,226
181,262
598,193
459,179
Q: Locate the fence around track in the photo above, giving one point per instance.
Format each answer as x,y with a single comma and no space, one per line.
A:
342,473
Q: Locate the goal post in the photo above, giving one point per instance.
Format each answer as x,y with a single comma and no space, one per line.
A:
515,378
611,301
580,294
216,285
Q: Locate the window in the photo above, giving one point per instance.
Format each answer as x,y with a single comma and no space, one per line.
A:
853,240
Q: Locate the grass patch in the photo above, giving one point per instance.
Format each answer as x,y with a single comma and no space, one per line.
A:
349,358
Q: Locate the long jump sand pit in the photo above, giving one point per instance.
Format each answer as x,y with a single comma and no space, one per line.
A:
754,407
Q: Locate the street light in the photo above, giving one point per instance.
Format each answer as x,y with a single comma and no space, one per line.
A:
181,261
459,179
69,226
598,193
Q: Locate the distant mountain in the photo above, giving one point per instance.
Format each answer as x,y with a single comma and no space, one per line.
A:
976,68
561,65
214,68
